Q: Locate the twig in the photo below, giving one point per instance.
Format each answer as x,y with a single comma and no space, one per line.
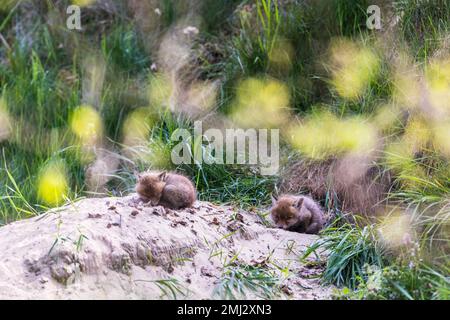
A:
3,40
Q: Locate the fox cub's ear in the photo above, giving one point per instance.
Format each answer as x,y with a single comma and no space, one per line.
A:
163,176
274,200
298,204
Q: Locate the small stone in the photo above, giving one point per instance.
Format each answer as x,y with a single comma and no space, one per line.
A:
134,213
285,289
117,221
43,280
206,272
234,226
303,284
240,217
159,211
215,221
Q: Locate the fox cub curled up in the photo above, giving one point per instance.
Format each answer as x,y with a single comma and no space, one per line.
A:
166,189
297,213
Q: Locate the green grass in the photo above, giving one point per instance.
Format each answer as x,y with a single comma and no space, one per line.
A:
362,267
399,282
423,25
427,199
237,281
170,288
349,249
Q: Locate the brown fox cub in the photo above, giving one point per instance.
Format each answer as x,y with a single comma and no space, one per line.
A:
297,213
170,190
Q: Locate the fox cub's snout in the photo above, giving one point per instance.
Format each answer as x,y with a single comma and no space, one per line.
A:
297,213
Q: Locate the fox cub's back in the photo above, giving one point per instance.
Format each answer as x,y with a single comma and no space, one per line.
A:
297,213
170,190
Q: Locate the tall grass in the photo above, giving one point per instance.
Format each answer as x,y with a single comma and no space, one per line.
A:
237,281
349,249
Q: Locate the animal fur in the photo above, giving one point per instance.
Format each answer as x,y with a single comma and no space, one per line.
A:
166,189
297,213
356,186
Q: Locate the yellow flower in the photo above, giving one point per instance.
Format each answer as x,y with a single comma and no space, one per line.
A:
86,124
5,121
353,68
438,80
261,103
52,184
161,91
136,128
324,135
83,3
396,230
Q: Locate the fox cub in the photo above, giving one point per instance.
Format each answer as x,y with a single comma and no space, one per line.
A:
297,213
166,189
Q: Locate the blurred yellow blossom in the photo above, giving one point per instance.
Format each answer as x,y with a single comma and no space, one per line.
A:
324,135
137,126
417,134
161,91
353,68
83,3
407,90
387,118
86,124
7,4
441,133
52,184
159,155
200,97
5,120
261,103
281,56
400,159
399,156
396,230
438,80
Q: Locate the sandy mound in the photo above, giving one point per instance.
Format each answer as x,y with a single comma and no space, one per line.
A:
118,248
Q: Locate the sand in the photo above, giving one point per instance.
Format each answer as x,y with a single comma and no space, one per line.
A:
120,248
